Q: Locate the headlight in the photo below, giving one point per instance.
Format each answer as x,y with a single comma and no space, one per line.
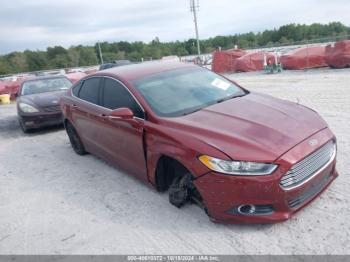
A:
237,168
27,108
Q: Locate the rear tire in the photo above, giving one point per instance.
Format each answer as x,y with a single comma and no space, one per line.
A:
75,140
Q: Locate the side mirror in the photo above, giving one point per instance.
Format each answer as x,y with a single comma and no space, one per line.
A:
121,113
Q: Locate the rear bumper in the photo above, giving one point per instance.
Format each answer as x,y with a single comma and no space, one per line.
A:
42,120
223,194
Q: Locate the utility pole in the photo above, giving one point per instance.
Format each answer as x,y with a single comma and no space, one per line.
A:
194,5
99,50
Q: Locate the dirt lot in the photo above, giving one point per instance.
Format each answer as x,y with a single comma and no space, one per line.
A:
53,201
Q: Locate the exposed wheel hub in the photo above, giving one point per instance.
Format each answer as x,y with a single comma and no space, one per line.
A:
178,191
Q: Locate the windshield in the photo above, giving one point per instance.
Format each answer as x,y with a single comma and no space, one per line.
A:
45,85
183,91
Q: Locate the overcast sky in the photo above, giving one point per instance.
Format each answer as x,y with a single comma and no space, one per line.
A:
37,24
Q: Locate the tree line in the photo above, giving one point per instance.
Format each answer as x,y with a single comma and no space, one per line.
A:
76,56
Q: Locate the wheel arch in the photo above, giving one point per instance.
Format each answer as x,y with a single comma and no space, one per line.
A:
166,169
184,151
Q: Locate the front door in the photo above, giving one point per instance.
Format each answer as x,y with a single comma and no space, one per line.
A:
122,140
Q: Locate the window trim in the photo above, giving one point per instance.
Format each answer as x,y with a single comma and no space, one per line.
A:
100,94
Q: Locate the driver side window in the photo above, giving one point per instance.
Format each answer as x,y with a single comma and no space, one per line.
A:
116,96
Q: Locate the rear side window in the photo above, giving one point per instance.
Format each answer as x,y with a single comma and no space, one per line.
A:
90,90
76,89
116,96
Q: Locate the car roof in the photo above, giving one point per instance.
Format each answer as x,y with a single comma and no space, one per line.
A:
137,71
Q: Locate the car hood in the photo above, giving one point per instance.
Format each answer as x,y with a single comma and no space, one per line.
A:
43,99
254,127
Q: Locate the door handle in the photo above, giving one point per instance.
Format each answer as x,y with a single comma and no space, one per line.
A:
75,107
101,116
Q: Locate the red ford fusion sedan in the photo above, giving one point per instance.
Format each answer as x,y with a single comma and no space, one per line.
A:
241,156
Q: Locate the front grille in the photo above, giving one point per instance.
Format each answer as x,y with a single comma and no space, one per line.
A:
310,193
52,108
306,168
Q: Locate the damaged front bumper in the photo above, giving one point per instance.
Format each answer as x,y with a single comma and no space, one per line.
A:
261,199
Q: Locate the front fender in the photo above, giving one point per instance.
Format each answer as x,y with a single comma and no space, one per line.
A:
179,145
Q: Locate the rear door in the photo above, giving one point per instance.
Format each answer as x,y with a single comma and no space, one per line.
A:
85,111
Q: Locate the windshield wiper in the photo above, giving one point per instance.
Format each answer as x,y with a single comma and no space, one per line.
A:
215,102
190,112
229,97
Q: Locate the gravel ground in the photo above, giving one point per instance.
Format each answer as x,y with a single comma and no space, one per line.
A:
53,201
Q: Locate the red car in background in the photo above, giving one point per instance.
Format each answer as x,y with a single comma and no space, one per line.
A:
11,85
2,88
75,76
242,156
